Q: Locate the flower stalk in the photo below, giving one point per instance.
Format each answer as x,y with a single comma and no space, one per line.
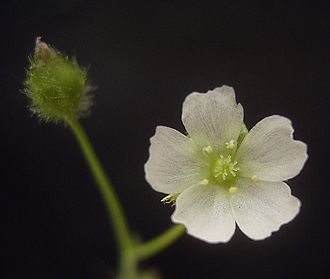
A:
159,243
130,252
104,184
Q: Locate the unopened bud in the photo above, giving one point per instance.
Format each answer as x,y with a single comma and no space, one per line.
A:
57,87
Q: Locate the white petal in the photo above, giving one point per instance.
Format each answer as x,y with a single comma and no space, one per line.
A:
269,152
206,213
173,164
261,207
212,118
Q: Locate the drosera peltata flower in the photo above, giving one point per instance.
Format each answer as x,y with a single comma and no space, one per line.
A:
221,173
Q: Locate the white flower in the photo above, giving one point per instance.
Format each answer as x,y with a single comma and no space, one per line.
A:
220,174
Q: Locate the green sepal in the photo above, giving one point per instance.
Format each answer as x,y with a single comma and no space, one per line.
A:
56,86
243,132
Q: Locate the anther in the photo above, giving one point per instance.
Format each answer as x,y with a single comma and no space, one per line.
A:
254,178
207,150
230,145
232,189
205,182
170,199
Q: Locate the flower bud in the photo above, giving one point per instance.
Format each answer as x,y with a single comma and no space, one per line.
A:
57,87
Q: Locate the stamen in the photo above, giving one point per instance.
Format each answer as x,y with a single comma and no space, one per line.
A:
207,150
232,189
205,182
230,145
254,178
171,198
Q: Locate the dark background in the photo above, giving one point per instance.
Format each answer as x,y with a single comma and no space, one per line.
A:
145,58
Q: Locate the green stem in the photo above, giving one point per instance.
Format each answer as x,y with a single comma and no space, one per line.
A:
106,189
159,243
130,253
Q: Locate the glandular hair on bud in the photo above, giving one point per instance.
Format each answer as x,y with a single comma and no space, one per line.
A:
56,86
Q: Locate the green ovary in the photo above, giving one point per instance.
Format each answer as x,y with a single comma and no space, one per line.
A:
225,169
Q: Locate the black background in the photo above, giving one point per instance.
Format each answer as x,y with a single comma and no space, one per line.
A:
145,57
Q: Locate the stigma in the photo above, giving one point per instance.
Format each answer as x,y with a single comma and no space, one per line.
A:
225,168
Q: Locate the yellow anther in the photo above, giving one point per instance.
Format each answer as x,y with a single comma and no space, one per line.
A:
230,144
171,198
254,178
207,149
232,190
205,182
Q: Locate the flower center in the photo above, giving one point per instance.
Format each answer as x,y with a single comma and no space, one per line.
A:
225,169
